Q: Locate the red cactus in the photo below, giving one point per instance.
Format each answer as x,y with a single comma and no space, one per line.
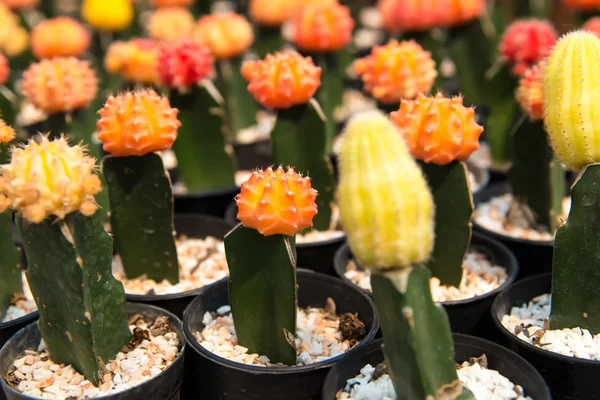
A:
526,42
183,64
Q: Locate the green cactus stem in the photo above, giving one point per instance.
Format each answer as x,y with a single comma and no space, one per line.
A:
537,179
575,265
262,292
418,348
81,305
203,162
299,140
10,264
449,186
141,216
268,40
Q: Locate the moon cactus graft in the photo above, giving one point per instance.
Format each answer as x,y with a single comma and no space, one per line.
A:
134,60
59,37
183,64
526,42
322,27
171,23
227,35
530,94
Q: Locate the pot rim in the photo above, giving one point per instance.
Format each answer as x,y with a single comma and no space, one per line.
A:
31,316
258,370
491,243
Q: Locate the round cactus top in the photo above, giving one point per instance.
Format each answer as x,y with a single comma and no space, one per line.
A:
171,23
590,5
437,129
134,60
14,39
59,37
108,15
49,178
227,35
530,93
7,133
137,123
322,27
277,202
183,64
282,80
526,42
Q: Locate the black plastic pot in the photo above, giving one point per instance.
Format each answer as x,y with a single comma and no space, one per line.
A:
212,202
509,364
208,376
568,377
8,329
534,256
193,226
164,386
315,256
468,316
250,156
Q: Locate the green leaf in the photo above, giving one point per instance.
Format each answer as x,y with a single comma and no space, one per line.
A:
576,260
82,306
262,292
449,186
298,139
141,216
418,345
240,106
10,263
200,146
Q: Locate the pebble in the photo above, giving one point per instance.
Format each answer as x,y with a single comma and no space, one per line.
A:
36,375
353,101
529,323
21,305
479,277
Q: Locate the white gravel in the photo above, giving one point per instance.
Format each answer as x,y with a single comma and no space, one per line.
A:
22,304
529,323
479,277
35,374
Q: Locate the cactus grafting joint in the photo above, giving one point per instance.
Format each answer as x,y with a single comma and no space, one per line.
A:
271,12
183,64
584,5
59,37
60,85
108,15
14,39
322,27
4,69
571,78
171,3
227,35
397,71
530,93
277,202
438,129
49,178
388,217
135,60
592,25
169,24
526,42
282,80
137,123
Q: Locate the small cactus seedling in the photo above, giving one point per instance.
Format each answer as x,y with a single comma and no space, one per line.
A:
261,254
388,213
286,82
571,80
51,186
441,133
132,127
203,162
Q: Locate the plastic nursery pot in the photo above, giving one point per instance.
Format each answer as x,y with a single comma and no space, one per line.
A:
164,386
208,376
534,256
9,328
507,363
315,256
195,226
469,316
568,377
250,156
210,202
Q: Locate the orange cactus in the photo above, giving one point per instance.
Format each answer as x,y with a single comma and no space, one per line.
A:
271,12
59,37
4,69
171,3
137,123
60,84
277,202
282,80
227,35
322,27
530,93
582,4
7,133
134,60
397,71
437,129
20,4
169,24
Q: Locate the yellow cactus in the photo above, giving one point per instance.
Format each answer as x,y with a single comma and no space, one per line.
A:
108,15
386,207
49,178
571,82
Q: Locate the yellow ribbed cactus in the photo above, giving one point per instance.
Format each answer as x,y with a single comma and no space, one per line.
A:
571,87
385,204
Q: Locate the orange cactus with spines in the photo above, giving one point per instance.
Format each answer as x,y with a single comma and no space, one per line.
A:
60,84
585,5
272,12
21,4
170,24
49,178
227,34
397,71
59,37
282,80
530,93
4,69
322,27
135,60
7,133
277,202
171,3
137,123
438,129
